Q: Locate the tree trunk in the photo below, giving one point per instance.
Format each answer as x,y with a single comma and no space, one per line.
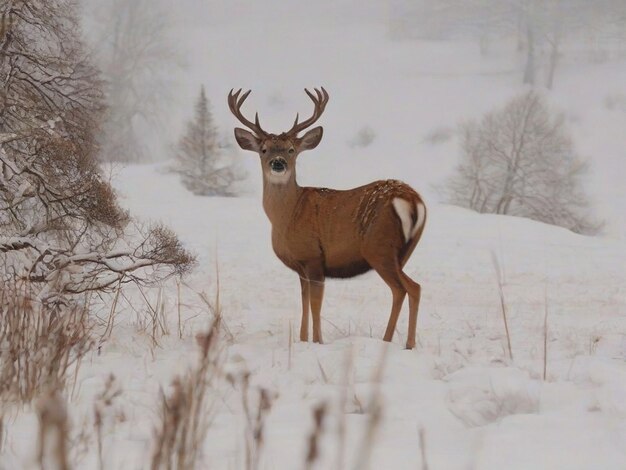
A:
529,69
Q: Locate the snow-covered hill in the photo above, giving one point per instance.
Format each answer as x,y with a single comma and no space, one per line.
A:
472,405
476,407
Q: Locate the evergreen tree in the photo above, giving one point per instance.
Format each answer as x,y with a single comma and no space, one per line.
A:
199,157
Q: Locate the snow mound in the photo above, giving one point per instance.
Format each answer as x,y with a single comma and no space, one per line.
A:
480,395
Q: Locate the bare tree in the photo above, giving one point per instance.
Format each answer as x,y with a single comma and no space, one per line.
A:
520,161
133,48
60,224
200,160
542,27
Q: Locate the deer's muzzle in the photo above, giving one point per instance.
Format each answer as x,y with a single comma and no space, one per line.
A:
278,165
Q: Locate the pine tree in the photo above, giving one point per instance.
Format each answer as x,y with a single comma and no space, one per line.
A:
199,158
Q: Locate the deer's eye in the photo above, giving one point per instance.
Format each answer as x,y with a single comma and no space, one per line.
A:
292,150
264,151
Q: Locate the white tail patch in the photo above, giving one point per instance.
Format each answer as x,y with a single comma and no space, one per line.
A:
403,209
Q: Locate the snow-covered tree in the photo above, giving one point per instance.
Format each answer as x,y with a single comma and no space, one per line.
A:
520,161
61,227
200,159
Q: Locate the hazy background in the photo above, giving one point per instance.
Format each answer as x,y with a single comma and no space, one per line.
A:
406,72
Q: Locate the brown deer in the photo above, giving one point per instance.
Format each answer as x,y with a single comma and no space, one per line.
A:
320,232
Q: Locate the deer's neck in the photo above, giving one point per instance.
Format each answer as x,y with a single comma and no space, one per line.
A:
280,200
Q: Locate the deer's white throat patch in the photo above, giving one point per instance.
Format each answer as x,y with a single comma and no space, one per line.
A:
278,177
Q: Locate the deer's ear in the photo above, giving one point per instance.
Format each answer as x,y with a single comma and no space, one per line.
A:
247,140
311,139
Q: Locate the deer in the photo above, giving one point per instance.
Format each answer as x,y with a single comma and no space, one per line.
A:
328,233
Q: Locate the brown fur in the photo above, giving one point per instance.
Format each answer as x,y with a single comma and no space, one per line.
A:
320,232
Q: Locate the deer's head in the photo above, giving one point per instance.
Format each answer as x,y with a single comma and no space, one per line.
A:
278,152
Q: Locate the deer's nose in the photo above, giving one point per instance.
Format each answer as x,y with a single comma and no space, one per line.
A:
278,165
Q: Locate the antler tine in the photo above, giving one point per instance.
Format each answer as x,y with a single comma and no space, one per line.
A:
235,102
320,99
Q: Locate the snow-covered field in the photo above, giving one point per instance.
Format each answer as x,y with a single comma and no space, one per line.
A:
476,407
458,400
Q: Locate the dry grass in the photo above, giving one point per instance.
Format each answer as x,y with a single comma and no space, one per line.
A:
101,409
319,413
184,413
422,438
40,344
54,431
375,415
496,266
255,413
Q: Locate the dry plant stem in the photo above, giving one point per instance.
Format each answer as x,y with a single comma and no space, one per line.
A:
496,266
154,316
545,335
44,342
53,431
102,405
319,413
322,371
422,438
255,425
178,305
290,346
341,427
375,415
111,322
183,422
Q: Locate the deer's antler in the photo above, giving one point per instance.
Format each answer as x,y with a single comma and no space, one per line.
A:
235,102
320,102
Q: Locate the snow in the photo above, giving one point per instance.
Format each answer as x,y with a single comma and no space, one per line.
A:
476,407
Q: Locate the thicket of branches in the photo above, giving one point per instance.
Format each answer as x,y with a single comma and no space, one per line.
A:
60,224
519,160
200,160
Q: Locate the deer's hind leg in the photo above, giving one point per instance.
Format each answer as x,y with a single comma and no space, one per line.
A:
414,290
387,265
398,293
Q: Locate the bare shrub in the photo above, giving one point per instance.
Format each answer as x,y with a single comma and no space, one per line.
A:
184,413
519,160
39,345
60,223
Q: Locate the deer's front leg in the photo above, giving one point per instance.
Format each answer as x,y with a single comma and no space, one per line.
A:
315,276
306,300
